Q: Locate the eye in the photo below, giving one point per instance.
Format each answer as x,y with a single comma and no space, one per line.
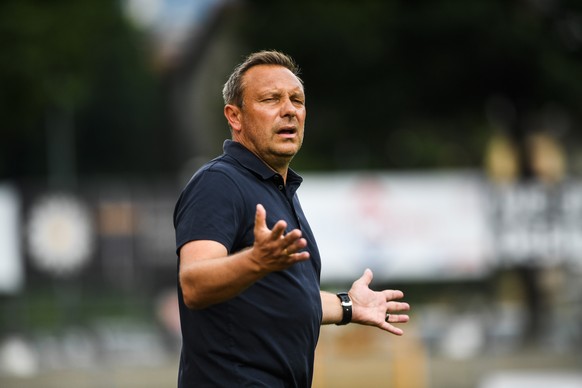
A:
297,98
270,99
298,101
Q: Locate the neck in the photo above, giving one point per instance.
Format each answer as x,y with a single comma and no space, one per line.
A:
277,163
279,169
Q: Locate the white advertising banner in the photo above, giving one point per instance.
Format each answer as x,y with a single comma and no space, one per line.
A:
538,225
402,226
11,267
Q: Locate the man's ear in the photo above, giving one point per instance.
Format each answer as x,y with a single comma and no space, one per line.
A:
233,116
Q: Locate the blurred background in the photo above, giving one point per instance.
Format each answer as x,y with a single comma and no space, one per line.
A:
443,150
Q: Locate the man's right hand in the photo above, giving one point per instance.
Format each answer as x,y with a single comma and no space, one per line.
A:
274,250
208,275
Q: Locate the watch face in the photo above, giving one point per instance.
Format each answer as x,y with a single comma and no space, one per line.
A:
345,299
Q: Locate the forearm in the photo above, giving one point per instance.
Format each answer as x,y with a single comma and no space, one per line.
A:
208,275
331,308
205,282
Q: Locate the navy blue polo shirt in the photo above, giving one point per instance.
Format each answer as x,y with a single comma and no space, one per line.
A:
265,336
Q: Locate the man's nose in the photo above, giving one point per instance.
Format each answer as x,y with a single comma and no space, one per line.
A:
288,108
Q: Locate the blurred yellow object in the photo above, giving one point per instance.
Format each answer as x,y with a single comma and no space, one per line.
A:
547,158
501,159
359,356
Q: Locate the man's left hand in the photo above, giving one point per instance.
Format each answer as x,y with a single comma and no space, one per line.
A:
377,308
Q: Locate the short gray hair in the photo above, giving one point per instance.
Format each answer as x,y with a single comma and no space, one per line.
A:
232,92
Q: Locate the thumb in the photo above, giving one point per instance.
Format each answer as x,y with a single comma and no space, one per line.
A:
260,217
367,277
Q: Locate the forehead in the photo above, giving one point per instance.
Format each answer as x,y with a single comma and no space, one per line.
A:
262,78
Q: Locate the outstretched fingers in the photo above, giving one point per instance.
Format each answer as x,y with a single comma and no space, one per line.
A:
275,249
261,228
395,307
393,311
391,328
393,295
397,318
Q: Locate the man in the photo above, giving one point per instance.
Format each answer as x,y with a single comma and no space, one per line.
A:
248,266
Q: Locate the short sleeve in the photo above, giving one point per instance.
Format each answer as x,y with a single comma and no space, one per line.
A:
209,208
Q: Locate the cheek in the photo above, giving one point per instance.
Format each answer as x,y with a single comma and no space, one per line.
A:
263,120
301,119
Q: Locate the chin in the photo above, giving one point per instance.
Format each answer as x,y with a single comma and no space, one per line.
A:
290,151
286,148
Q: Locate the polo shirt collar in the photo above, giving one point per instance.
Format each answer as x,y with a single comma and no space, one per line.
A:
251,162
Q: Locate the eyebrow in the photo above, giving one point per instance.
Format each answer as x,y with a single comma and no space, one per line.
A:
279,93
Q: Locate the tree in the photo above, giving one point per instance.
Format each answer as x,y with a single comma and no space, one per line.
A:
406,84
71,73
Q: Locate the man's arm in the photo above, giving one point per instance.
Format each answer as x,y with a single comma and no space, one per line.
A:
208,275
368,307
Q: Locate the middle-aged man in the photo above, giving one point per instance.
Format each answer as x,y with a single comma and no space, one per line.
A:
248,264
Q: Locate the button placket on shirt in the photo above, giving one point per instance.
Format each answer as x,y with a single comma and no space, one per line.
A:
279,182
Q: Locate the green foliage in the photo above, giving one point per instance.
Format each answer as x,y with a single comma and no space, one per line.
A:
406,83
390,84
56,58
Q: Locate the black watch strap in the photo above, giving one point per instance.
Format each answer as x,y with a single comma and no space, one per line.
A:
346,308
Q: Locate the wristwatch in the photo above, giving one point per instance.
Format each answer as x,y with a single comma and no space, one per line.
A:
346,307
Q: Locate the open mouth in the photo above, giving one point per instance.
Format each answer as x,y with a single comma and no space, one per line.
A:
286,131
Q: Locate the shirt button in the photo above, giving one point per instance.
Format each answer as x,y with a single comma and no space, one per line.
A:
281,187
